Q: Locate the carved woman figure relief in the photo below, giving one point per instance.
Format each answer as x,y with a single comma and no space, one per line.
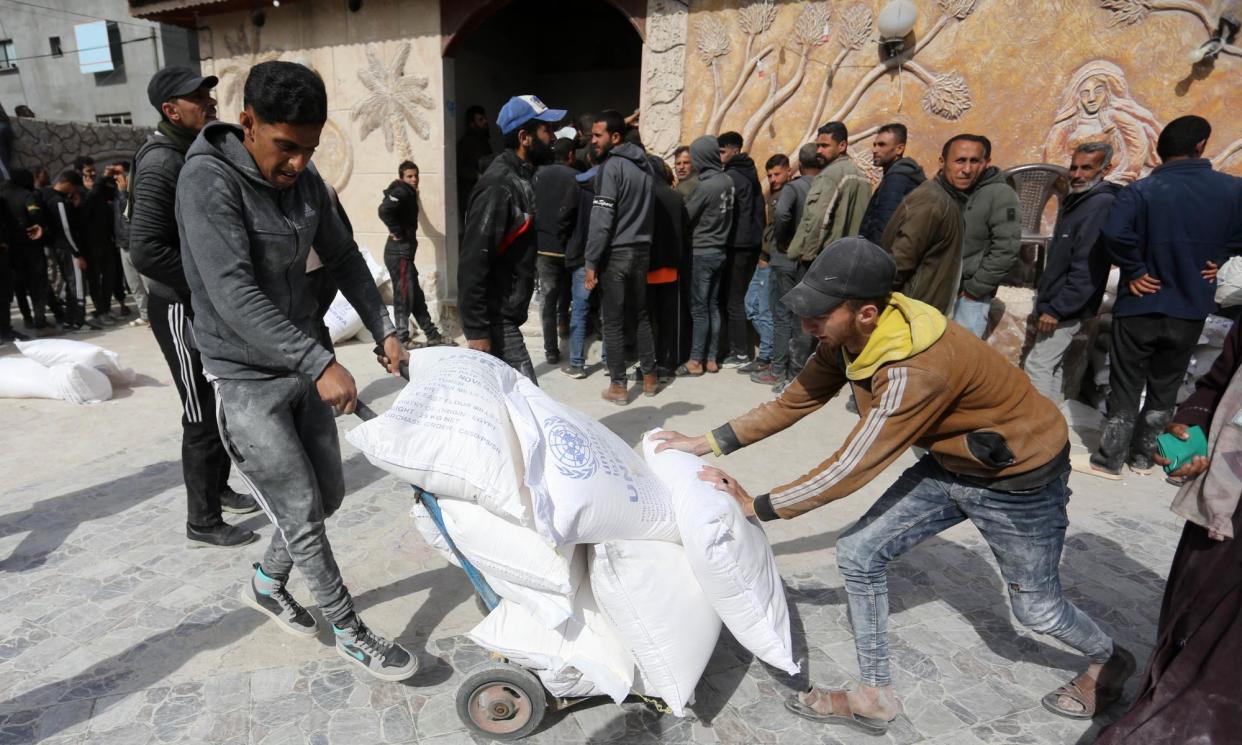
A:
1098,107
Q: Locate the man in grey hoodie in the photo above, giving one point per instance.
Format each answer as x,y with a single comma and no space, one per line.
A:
710,209
249,208
618,249
991,241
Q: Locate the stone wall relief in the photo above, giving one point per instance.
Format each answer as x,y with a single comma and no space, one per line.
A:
946,95
395,102
245,51
1130,12
1098,106
664,80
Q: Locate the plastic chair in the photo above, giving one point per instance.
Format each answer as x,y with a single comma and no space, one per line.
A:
1037,184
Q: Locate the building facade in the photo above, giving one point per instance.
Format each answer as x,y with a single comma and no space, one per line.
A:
42,59
1036,77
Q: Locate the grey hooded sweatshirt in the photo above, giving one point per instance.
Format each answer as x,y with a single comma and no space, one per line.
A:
710,205
623,210
245,244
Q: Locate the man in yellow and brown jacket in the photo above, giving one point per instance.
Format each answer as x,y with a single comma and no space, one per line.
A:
998,455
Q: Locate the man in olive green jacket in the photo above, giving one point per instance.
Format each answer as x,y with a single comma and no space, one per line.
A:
990,244
924,235
836,202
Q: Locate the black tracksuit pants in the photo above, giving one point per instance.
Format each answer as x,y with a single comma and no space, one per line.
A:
30,284
407,295
739,268
204,461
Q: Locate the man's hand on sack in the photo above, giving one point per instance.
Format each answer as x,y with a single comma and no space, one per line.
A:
337,388
1209,271
1144,285
670,440
727,484
394,354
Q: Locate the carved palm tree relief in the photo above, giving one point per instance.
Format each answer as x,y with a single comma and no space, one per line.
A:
396,102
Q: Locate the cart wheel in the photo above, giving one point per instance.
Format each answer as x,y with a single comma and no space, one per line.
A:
501,702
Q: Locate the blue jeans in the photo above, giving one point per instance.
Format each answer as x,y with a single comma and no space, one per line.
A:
759,311
705,304
1025,532
973,314
579,309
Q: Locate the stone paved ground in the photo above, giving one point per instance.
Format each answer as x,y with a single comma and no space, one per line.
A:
113,631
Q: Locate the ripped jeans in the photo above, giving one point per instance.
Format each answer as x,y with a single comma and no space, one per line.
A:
1025,532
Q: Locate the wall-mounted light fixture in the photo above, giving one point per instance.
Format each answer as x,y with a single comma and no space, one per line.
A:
258,17
353,5
895,22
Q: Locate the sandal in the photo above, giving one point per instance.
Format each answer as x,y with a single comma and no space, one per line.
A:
840,712
1093,695
685,372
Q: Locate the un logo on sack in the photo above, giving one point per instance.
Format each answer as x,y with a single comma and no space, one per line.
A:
570,448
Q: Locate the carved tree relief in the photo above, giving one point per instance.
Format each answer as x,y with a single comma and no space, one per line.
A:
395,102
1131,12
244,53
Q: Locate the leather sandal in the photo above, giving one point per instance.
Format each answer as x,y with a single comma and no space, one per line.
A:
1091,694
839,711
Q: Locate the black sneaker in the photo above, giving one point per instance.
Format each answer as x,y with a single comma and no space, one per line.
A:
103,319
440,341
735,360
575,372
754,366
269,597
384,659
238,504
11,335
553,358
222,536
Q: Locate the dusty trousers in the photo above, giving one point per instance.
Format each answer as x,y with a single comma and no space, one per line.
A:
283,441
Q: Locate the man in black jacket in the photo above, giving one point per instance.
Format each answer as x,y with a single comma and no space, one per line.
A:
1076,270
901,176
22,203
61,199
496,263
184,102
556,214
399,213
618,250
745,242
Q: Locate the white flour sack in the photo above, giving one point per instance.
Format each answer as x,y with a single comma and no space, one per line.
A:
730,556
449,433
342,320
49,352
550,609
649,594
80,384
583,657
587,485
25,378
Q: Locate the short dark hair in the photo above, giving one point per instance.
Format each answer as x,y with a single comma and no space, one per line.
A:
980,139
23,177
777,161
472,110
562,148
68,176
661,169
809,157
1180,136
405,166
680,149
730,139
282,92
856,304
531,127
836,130
897,130
82,161
613,121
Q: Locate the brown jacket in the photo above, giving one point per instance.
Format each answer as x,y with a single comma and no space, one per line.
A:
939,388
924,238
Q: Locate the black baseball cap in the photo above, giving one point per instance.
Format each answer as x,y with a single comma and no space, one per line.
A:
848,269
176,81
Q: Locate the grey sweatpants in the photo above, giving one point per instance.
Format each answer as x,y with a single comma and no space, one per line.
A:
1045,362
282,439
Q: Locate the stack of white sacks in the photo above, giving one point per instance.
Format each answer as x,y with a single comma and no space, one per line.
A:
615,574
342,320
64,369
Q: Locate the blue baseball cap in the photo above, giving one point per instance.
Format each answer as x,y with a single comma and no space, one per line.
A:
521,109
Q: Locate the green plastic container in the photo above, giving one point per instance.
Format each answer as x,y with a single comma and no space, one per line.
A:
1180,452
